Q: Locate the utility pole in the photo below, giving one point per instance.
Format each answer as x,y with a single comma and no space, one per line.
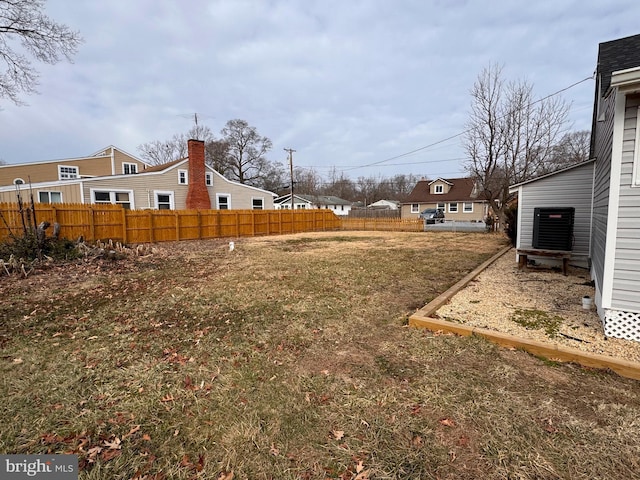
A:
290,150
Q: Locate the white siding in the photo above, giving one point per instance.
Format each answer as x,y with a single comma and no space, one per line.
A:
602,154
626,276
571,188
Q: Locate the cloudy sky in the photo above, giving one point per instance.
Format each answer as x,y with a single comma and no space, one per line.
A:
346,83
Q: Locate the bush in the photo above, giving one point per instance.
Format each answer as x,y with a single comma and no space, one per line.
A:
511,223
28,248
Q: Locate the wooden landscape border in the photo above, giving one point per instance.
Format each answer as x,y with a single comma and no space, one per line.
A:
423,319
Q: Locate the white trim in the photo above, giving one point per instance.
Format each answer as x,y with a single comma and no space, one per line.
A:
113,162
227,196
519,223
60,167
208,179
464,210
172,203
635,182
186,176
614,200
457,210
625,78
417,209
435,189
22,182
442,180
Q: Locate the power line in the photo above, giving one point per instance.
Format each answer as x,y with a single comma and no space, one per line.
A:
590,77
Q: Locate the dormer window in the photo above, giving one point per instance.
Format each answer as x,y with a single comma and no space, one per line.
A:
439,189
129,168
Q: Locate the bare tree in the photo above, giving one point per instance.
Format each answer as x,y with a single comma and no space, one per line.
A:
247,149
23,22
158,152
573,148
510,136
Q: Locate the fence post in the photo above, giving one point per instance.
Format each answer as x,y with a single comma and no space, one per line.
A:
92,224
177,220
253,223
124,225
199,218
150,215
237,224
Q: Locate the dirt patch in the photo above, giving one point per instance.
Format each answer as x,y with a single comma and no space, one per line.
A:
539,304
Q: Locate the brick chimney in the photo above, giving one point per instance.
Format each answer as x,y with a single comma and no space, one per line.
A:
197,195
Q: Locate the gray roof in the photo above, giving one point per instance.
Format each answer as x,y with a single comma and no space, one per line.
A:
617,55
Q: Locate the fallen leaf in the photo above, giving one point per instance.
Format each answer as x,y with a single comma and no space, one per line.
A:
146,437
107,455
274,451
359,466
364,475
225,475
416,441
337,434
17,360
114,444
447,422
167,398
131,432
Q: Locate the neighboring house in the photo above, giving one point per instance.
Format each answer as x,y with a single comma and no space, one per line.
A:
570,187
335,204
458,198
385,205
108,161
178,185
614,200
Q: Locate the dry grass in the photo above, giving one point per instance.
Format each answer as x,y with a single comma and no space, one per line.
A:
289,358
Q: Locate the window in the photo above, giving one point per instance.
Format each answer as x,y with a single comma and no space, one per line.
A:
183,177
439,189
208,179
129,168
257,203
453,208
124,198
415,208
223,201
440,206
467,207
18,181
50,197
163,200
67,173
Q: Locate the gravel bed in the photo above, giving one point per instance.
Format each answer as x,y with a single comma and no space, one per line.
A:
536,303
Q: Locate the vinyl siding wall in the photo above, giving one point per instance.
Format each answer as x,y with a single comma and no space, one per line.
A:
572,188
144,186
71,193
602,176
48,171
626,277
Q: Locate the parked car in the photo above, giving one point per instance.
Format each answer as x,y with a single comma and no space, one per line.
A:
432,215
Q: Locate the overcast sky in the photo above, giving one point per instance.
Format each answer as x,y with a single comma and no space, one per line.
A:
346,83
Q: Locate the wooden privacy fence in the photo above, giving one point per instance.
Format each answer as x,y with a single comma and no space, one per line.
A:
384,224
103,222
